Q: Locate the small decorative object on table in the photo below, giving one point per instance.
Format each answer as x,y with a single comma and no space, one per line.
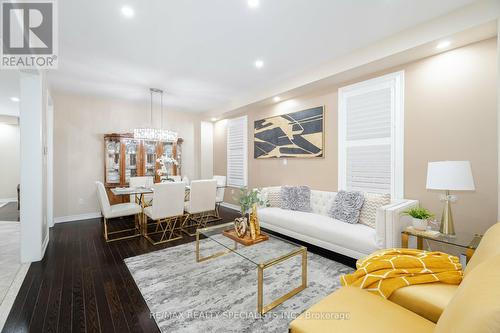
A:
240,226
165,164
247,228
420,216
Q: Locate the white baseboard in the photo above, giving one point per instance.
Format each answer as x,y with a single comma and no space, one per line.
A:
71,218
230,206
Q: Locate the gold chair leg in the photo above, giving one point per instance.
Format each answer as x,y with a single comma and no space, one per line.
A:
105,230
169,228
108,233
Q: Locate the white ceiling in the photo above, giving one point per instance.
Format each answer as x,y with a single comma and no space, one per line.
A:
202,52
9,87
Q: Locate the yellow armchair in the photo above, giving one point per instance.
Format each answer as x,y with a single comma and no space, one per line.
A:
429,300
473,306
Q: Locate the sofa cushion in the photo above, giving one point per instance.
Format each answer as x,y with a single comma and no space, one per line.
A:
347,206
352,309
322,201
475,307
357,237
488,248
272,195
296,198
372,202
427,300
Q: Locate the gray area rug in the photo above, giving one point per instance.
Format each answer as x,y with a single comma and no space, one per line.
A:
220,295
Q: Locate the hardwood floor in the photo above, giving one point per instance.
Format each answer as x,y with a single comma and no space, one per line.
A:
83,285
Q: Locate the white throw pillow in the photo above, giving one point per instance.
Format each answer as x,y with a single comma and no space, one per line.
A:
274,196
373,201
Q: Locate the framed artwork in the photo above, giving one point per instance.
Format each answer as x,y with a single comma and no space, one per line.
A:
297,134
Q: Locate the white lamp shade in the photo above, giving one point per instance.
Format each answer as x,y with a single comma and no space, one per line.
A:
450,175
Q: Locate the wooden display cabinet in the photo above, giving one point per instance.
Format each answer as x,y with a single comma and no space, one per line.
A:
126,157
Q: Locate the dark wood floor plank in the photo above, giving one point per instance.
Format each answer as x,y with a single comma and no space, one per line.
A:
54,303
78,316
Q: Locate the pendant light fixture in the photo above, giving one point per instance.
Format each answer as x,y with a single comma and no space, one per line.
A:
151,133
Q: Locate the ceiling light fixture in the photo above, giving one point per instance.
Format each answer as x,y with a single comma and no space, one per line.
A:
155,134
277,99
214,119
14,99
253,3
259,64
127,11
442,45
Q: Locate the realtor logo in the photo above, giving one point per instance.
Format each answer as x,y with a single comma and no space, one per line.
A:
28,35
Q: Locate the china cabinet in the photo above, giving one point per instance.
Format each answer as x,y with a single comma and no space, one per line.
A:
126,157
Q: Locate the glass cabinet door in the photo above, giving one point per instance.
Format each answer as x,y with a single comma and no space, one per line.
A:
149,158
112,162
131,150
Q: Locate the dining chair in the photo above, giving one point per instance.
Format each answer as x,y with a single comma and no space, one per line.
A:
176,179
145,181
114,211
167,210
200,205
219,197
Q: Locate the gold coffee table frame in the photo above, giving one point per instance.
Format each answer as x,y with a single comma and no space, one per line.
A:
261,307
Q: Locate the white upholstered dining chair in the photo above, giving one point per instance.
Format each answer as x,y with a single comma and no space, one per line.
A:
176,179
145,181
167,211
219,197
114,211
200,205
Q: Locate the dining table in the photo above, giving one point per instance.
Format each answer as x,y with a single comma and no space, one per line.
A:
140,191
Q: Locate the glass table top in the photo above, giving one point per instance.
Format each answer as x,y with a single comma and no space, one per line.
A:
273,249
462,239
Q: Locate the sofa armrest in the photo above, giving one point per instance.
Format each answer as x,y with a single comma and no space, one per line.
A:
389,223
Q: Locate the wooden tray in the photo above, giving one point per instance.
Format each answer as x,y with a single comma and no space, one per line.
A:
247,240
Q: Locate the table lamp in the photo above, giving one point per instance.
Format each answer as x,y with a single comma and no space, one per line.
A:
449,176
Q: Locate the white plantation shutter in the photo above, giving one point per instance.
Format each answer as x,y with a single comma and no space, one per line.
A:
371,136
237,143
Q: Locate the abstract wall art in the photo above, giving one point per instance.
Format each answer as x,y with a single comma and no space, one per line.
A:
297,134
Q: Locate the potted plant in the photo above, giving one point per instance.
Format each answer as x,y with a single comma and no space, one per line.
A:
247,198
420,216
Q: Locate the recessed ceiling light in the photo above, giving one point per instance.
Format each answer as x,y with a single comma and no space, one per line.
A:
127,11
259,63
253,3
213,119
14,99
442,45
277,99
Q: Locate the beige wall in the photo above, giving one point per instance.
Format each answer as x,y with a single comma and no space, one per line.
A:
450,114
10,161
79,125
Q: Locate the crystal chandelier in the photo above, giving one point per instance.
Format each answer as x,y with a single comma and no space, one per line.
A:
155,134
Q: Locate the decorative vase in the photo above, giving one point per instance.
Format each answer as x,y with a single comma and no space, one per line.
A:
256,220
419,224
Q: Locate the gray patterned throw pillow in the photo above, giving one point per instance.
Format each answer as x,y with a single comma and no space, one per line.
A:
347,206
296,198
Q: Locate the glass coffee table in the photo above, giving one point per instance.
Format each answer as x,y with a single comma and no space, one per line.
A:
263,255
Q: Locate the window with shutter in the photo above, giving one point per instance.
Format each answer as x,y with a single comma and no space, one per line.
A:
371,135
237,144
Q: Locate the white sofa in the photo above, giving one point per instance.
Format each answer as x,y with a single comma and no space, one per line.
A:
317,228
